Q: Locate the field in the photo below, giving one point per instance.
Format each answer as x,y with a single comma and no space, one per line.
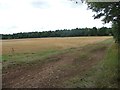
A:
57,62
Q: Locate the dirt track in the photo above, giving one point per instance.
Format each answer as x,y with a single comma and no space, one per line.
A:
52,74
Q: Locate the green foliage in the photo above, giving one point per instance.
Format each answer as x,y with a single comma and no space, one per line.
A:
111,13
103,31
110,10
108,71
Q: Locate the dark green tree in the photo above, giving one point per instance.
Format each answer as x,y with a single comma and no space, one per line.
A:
111,13
104,31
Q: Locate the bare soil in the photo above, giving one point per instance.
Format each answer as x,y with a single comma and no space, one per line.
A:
52,74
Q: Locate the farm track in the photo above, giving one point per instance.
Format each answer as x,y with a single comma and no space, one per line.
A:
52,74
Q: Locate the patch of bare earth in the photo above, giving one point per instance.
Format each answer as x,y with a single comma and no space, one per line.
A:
52,74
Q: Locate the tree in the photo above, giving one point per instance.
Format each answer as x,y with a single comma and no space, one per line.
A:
103,31
115,32
94,31
111,13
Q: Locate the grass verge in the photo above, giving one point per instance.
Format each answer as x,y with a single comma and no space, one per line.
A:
102,75
107,72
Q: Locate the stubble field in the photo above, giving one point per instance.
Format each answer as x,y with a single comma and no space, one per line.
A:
42,44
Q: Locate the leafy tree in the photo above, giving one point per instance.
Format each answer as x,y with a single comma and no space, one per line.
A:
103,31
61,33
111,13
115,31
94,31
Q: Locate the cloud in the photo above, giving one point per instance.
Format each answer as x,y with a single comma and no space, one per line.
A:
40,4
43,15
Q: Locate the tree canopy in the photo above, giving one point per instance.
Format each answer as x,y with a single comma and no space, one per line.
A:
110,10
103,31
111,13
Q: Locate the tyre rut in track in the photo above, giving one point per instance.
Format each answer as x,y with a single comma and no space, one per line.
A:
51,74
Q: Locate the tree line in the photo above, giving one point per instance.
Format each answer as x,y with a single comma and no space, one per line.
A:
103,31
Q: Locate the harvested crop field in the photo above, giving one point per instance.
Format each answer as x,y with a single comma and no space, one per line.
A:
41,44
52,62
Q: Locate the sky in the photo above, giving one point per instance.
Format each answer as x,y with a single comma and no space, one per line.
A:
45,15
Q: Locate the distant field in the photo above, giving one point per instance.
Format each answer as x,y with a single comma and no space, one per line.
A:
25,50
68,62
43,44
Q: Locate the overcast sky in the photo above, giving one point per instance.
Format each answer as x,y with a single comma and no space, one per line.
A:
44,15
